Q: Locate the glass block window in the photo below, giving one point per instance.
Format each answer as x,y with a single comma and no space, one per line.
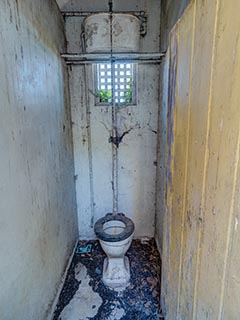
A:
124,84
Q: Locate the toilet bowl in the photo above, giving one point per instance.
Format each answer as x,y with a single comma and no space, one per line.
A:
115,233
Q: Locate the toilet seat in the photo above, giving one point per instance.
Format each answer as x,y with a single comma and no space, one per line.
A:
102,235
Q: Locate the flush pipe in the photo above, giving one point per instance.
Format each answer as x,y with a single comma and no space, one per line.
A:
114,117
89,143
89,136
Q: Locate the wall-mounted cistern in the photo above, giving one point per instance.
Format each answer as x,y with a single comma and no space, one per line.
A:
125,32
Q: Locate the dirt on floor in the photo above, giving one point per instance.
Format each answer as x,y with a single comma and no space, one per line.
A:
139,301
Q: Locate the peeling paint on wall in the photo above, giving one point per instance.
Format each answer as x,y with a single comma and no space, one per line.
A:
201,242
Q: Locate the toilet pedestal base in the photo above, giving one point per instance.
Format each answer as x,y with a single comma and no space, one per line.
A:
116,273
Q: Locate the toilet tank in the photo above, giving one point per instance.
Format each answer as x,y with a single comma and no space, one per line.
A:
125,29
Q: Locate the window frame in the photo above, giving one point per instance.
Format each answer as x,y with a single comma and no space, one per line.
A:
134,86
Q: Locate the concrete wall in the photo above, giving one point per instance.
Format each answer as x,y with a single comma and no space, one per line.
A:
137,153
201,224
38,225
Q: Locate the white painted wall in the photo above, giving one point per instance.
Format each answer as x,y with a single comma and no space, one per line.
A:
137,153
37,197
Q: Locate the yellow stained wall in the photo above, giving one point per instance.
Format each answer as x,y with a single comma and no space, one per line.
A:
201,242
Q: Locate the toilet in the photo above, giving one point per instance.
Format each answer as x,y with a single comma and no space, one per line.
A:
115,233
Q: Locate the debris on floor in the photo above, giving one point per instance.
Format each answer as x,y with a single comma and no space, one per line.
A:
83,249
84,296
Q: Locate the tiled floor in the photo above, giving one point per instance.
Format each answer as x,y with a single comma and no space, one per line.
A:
84,296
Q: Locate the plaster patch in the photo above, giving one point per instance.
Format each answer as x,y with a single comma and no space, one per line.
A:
85,302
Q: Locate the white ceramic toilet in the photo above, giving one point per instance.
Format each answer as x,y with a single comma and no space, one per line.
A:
115,233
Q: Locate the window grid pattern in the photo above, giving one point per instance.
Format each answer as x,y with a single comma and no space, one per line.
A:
123,83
